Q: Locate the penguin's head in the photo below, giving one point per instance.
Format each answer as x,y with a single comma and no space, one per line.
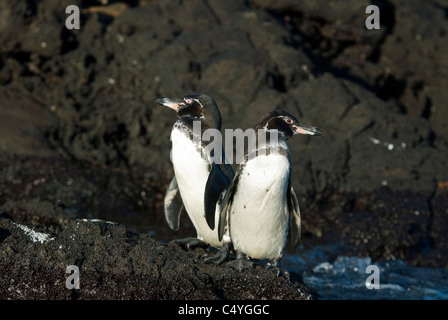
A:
200,106
286,123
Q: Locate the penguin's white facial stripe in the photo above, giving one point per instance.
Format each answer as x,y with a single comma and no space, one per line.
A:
190,101
267,124
202,107
286,119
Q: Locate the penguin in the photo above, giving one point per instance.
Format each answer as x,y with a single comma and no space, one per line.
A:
260,203
200,177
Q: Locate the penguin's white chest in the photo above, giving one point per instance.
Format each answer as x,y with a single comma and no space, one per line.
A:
192,171
259,213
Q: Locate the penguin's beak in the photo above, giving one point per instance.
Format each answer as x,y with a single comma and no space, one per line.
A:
304,129
174,104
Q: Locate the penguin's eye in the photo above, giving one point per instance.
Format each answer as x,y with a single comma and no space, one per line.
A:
188,100
288,121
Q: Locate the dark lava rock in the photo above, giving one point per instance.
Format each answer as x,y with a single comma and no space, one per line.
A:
384,225
21,130
115,263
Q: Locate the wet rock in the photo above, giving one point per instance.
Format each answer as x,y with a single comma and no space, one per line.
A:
437,235
115,263
383,224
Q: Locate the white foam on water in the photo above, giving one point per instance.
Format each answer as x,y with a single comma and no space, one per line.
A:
345,277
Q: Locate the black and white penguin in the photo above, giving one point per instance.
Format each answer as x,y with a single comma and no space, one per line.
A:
260,202
200,177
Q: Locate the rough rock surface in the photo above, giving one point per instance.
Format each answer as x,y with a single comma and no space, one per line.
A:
79,129
115,263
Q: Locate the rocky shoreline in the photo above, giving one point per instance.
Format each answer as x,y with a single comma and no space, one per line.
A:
115,263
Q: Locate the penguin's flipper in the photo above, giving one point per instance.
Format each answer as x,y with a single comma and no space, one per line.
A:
173,205
217,182
294,217
225,205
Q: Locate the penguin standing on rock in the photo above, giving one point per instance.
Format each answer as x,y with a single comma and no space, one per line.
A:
200,177
260,202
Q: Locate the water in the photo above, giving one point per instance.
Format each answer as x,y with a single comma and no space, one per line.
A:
344,278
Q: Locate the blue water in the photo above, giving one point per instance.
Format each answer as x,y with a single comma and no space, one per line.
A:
344,278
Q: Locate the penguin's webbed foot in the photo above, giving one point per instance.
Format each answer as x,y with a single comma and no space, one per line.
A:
274,267
191,243
219,257
241,263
